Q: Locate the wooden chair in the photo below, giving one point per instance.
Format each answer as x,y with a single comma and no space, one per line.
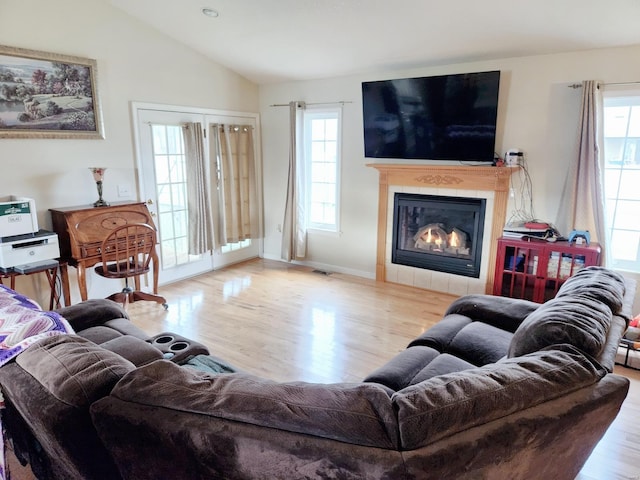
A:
127,253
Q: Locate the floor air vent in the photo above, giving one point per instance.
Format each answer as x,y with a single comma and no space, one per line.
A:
321,272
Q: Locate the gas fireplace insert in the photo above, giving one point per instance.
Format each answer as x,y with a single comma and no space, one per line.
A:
440,233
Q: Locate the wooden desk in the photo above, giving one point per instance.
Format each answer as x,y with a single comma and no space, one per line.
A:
81,231
52,275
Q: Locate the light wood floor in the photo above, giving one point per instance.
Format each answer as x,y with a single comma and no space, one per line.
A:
289,323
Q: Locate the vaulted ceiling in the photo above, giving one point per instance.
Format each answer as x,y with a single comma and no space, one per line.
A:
282,40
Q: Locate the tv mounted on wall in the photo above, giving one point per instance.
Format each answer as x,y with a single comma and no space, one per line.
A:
447,117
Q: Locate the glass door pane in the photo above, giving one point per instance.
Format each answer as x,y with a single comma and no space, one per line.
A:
164,188
171,188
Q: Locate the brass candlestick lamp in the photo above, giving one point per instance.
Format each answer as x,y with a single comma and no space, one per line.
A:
98,175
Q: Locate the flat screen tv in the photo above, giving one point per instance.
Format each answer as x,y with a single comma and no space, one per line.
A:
448,117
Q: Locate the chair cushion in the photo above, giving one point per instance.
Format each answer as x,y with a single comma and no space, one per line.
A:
122,270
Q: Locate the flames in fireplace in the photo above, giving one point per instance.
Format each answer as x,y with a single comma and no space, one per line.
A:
434,238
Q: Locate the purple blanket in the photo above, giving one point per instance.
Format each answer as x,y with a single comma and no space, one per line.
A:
23,323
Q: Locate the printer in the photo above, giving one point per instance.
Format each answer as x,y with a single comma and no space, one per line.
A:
23,246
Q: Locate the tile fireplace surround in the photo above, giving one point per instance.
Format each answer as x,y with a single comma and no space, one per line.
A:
491,183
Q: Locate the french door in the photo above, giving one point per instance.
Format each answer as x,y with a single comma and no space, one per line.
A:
162,184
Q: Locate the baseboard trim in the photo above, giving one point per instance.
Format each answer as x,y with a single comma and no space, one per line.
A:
327,267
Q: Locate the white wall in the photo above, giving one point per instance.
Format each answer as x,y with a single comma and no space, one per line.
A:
537,113
135,63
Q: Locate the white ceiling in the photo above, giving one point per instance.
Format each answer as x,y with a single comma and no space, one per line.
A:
270,41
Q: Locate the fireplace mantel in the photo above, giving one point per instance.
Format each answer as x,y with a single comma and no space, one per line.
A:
494,179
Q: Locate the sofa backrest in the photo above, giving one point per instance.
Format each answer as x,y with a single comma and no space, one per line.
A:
596,283
350,412
51,385
582,314
167,421
447,404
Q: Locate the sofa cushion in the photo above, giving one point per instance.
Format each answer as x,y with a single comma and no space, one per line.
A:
480,343
445,405
125,327
360,414
99,334
597,283
439,336
582,322
441,365
94,311
398,372
74,370
133,349
501,312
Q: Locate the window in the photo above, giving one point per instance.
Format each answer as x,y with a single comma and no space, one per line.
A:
621,179
171,191
322,164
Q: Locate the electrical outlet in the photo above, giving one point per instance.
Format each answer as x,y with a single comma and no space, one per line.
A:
280,228
513,157
124,190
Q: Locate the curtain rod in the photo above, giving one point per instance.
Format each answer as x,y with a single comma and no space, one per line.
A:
232,125
341,102
579,85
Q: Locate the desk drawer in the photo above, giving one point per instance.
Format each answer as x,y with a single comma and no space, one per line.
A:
94,250
90,250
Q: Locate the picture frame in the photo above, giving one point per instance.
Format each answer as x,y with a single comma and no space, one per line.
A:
48,95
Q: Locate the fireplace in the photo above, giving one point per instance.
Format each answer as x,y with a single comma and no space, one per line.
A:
441,233
488,183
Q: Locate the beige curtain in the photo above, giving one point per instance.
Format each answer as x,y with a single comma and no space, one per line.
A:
235,206
583,198
198,194
294,231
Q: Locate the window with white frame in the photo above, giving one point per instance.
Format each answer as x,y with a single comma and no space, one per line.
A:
622,178
321,139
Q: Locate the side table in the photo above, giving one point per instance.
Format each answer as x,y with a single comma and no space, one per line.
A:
629,345
52,274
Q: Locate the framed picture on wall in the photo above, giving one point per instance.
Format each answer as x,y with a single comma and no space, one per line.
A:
48,95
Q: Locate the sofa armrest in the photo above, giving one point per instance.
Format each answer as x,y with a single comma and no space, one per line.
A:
133,349
92,312
502,312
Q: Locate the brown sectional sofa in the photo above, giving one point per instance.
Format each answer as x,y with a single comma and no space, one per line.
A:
500,388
